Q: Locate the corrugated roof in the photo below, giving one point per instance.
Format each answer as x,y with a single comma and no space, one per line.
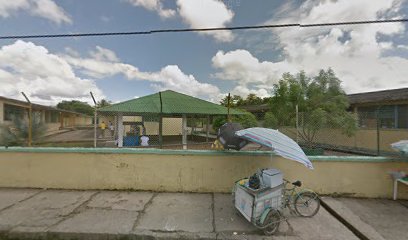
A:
379,96
173,103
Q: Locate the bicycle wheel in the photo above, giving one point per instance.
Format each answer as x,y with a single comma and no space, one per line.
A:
307,204
272,222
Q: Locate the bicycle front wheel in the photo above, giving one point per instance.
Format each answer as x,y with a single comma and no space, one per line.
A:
307,204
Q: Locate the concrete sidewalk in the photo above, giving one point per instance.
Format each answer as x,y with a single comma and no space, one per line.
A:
61,214
376,219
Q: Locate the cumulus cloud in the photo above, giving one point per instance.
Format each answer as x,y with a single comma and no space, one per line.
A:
207,14
197,14
359,55
154,5
241,66
103,63
45,77
42,8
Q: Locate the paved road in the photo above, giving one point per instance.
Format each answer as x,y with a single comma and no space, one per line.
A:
114,214
75,136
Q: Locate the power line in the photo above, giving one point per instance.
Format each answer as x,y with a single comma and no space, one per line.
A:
202,29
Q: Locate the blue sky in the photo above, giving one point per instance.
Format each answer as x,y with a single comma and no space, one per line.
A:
208,66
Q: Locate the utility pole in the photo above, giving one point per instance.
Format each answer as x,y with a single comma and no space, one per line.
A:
95,117
30,123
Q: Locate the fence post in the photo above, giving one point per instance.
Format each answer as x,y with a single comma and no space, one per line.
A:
30,123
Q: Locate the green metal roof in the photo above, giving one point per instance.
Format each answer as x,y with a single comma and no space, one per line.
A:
173,103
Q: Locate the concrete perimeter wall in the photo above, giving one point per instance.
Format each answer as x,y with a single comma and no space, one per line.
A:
191,171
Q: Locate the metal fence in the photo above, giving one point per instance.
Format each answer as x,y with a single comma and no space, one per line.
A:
376,128
374,131
106,130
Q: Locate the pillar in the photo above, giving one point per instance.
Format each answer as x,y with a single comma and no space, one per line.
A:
120,130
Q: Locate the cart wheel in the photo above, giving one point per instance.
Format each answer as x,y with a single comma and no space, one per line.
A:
272,221
307,204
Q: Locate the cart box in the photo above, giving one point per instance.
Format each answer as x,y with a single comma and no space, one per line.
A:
272,177
252,203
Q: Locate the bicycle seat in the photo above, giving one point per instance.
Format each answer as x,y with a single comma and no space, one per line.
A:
297,183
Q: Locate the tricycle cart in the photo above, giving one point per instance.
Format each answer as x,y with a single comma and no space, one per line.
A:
261,205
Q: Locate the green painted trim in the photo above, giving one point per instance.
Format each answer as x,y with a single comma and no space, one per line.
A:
194,152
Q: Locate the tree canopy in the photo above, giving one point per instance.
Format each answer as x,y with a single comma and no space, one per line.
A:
321,102
238,101
76,106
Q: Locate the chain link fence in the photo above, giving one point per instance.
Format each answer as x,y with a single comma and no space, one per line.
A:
375,128
109,130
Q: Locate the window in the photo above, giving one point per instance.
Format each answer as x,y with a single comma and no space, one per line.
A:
390,116
52,117
11,112
402,116
367,117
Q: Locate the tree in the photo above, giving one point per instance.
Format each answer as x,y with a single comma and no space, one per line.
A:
252,99
321,101
235,101
17,133
76,106
103,103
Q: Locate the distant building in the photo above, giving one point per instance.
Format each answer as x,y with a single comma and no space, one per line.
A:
390,107
258,110
53,118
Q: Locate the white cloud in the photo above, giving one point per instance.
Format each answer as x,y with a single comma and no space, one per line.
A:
103,54
241,66
42,8
45,77
171,77
356,52
207,14
244,91
154,5
104,63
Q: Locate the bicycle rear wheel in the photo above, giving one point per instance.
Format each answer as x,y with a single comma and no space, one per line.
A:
307,204
272,222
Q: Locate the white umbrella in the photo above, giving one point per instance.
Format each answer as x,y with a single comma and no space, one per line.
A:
278,142
401,146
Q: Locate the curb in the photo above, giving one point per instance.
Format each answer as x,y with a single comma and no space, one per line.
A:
137,235
347,224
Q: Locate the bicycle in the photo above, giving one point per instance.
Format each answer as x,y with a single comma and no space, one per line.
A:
306,202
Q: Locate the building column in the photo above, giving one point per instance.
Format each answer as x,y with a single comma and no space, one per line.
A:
120,129
184,131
